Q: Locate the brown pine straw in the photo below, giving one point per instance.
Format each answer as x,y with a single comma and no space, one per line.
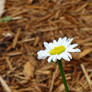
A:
53,79
9,64
4,85
86,75
37,21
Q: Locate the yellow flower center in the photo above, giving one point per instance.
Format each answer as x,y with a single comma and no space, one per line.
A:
57,50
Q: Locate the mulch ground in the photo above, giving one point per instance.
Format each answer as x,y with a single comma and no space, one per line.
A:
34,22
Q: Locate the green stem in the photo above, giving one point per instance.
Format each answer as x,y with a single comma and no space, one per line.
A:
63,75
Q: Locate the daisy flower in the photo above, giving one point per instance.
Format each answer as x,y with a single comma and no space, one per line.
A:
58,50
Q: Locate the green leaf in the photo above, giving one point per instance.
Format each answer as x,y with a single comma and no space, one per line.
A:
6,19
1,20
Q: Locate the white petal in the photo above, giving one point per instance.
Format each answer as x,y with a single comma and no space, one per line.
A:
42,54
60,39
51,45
54,58
59,57
64,39
50,59
69,55
65,44
70,40
65,57
46,45
73,46
55,43
75,50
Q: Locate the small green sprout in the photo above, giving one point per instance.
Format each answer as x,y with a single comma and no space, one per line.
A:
6,19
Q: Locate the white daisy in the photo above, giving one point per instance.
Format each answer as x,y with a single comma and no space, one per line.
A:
58,50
